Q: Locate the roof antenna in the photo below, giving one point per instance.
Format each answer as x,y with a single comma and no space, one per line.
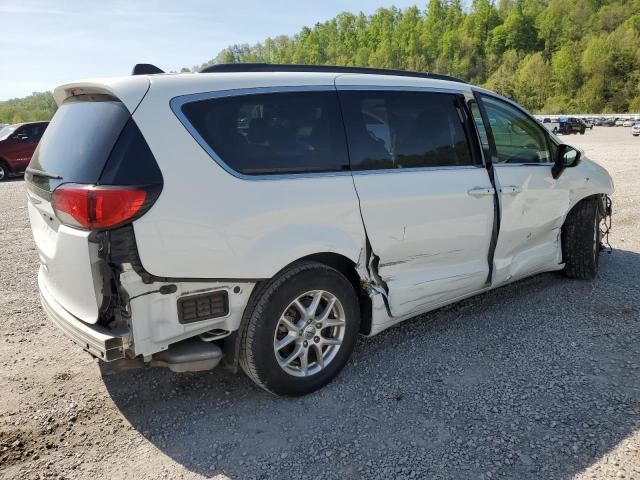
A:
145,69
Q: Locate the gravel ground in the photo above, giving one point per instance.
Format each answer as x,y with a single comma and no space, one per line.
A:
537,380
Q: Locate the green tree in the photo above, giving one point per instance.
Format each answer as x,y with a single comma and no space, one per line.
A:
532,86
520,29
567,73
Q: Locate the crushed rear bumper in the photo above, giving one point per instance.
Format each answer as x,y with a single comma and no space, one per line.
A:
95,339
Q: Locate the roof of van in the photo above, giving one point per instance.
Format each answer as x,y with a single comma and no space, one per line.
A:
280,67
131,89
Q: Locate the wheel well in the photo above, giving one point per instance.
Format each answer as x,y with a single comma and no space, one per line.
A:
5,163
598,197
341,263
348,268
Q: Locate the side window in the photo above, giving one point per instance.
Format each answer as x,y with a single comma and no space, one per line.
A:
22,132
39,131
289,132
32,132
389,129
518,138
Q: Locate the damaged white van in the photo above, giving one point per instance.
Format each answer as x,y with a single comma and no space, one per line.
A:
265,215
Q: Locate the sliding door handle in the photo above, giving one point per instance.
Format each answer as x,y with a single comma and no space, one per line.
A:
481,191
510,190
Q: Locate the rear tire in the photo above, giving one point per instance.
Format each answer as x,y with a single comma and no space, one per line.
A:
4,171
581,240
290,348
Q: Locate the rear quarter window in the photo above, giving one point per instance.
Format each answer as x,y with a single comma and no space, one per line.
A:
272,133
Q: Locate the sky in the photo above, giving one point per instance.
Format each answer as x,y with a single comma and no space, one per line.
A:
44,44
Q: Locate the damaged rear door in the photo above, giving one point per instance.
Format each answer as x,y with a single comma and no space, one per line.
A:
426,199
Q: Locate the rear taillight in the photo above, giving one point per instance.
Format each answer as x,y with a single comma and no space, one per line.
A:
100,207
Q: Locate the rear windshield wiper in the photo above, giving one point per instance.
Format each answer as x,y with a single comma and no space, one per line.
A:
40,173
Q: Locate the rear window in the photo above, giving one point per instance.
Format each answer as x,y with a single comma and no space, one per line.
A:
76,144
292,132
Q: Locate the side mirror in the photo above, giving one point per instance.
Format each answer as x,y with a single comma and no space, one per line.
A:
567,157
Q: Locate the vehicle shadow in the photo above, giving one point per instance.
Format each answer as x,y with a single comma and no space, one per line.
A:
17,178
538,379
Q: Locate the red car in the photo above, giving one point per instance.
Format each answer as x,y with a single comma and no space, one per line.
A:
17,144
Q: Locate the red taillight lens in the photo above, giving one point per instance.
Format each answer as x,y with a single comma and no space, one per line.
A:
97,207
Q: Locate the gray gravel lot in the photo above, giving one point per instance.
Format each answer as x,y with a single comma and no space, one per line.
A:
537,380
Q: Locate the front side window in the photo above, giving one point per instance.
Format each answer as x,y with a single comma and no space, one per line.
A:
32,132
288,132
392,129
518,138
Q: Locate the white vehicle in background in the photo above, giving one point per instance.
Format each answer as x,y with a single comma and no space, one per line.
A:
265,215
551,124
635,130
628,123
619,123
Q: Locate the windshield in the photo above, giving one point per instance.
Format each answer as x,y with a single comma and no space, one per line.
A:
6,131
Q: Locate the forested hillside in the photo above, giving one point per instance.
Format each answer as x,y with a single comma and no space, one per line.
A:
39,106
553,56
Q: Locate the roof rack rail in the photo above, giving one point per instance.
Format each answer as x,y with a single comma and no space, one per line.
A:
279,67
145,69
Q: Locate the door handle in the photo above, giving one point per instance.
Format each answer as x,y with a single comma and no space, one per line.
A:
510,190
481,191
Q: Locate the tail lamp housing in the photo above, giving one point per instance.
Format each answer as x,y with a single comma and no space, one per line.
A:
101,207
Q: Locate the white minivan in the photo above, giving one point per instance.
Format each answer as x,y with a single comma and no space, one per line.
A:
265,215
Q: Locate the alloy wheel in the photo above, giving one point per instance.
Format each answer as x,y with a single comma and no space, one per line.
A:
309,333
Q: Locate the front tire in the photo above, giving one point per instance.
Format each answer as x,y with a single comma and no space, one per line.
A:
301,329
581,240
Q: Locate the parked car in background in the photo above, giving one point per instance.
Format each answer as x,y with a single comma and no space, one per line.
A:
292,223
588,123
635,130
570,125
619,123
598,122
551,124
609,122
17,144
628,123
